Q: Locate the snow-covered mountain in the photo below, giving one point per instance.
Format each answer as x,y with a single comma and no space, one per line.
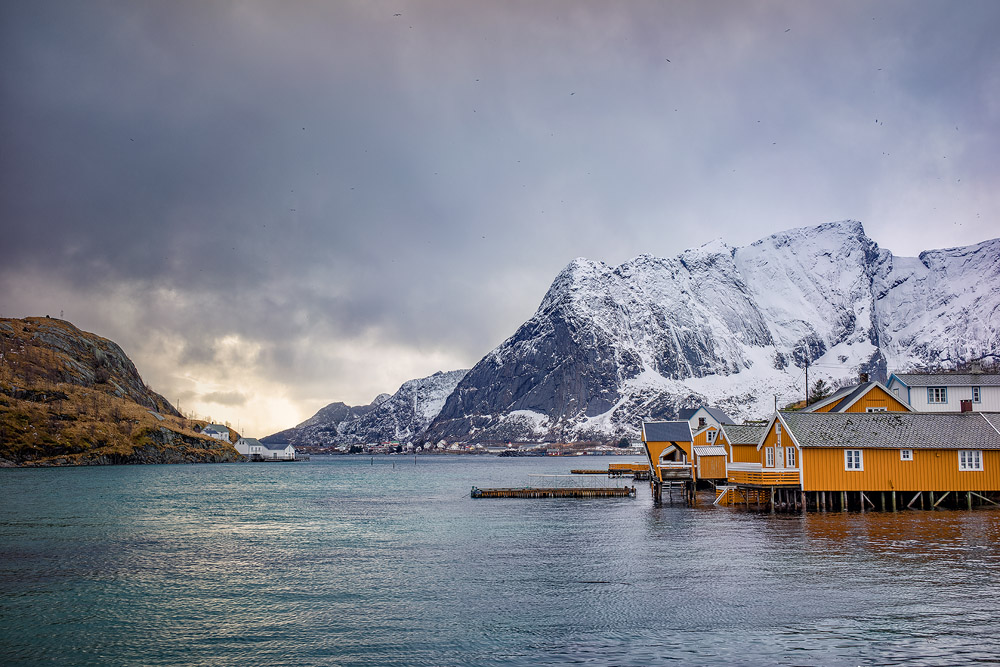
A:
404,416
732,327
729,326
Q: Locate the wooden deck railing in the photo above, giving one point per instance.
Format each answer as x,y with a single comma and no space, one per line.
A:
762,477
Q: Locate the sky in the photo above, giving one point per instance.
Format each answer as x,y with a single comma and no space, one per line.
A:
275,206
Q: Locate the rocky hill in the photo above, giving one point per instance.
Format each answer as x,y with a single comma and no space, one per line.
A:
69,397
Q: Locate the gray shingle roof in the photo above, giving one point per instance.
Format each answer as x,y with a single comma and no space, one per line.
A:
894,430
743,434
666,432
949,379
719,415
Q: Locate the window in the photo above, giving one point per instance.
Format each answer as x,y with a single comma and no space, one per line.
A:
970,459
789,457
701,422
853,460
777,432
937,394
876,409
769,457
710,436
896,391
906,455
976,395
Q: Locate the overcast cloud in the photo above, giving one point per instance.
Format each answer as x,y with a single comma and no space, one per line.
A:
272,206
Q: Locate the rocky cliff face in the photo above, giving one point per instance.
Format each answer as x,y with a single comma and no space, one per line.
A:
732,327
68,397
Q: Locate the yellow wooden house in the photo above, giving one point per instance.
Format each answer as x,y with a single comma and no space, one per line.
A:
864,397
864,460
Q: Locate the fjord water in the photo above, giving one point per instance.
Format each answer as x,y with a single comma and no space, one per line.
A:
387,561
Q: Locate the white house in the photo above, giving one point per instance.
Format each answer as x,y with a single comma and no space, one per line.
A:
255,450
704,417
217,431
945,392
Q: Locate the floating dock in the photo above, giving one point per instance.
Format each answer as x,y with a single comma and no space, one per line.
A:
556,492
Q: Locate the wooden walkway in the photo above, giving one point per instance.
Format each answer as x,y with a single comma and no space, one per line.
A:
556,492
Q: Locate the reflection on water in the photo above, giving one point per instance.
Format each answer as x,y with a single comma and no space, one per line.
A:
339,561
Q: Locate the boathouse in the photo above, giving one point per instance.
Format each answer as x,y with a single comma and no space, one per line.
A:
668,446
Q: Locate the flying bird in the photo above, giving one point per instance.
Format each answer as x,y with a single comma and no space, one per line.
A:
787,29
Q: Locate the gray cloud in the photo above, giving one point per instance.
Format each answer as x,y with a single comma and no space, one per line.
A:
318,201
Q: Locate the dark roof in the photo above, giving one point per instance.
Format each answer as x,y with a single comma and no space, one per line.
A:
717,414
894,430
836,396
666,432
743,434
949,379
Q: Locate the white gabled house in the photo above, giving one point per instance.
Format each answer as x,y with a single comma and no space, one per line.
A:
945,392
217,431
255,450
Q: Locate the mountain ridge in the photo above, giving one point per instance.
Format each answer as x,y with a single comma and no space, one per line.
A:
732,326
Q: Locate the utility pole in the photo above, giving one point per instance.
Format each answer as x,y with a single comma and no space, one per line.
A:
775,402
807,380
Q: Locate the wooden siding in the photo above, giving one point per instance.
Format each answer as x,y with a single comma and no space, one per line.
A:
654,449
765,477
744,454
711,467
878,398
779,444
701,439
930,470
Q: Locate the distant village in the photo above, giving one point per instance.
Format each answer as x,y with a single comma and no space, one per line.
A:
921,440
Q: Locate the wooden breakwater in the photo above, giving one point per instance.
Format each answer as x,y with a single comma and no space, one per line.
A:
556,492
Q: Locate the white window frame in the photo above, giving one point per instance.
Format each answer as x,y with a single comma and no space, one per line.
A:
933,393
970,459
790,457
710,436
877,409
854,459
906,455
977,395
769,457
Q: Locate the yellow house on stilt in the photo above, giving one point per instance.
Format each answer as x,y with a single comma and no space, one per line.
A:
872,460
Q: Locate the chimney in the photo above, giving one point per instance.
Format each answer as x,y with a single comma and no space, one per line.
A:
863,378
976,367
967,405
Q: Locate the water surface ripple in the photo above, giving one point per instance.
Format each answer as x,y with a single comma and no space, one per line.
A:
387,561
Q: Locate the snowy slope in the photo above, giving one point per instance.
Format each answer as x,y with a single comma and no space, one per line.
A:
404,416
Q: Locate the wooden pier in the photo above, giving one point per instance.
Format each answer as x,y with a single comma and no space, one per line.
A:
638,471
556,492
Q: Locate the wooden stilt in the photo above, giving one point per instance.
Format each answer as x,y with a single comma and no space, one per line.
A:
933,504
968,499
803,495
941,499
919,494
881,497
843,501
893,501
822,501
983,498
861,500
